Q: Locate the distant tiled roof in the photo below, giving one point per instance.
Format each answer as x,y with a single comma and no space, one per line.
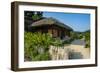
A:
50,21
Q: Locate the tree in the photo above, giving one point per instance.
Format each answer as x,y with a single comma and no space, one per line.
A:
33,15
37,16
87,38
74,35
37,45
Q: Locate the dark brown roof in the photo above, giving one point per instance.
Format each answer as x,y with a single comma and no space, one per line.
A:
50,21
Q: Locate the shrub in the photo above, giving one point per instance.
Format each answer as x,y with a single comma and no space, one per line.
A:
36,45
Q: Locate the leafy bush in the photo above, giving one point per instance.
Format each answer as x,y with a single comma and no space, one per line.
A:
36,45
56,42
44,56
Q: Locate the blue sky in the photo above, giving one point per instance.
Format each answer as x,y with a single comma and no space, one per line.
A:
77,21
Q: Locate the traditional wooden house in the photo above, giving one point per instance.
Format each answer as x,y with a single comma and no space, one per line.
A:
52,26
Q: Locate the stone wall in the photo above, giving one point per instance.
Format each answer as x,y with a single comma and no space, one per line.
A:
69,52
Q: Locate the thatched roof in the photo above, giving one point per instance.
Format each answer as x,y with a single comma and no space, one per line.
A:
50,21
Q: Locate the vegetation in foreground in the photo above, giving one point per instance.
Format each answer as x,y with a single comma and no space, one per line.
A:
37,44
